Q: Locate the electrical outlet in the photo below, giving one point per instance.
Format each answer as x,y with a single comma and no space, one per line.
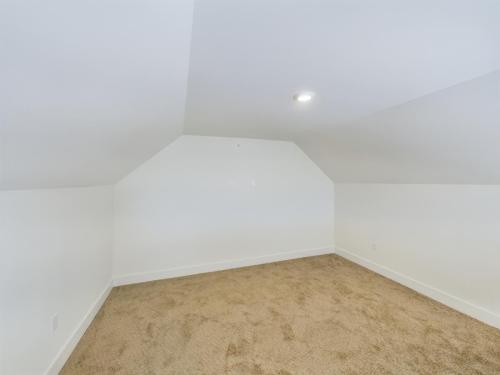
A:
55,322
374,247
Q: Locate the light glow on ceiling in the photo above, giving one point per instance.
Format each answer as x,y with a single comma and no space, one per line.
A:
303,97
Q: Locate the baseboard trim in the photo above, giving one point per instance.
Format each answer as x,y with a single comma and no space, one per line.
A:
77,334
447,299
217,266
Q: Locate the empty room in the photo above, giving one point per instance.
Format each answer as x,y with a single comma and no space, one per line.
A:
250,187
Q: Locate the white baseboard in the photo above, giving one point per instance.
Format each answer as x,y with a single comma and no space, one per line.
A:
73,340
217,266
454,302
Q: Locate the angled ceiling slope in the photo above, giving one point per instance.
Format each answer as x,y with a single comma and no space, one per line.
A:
361,57
89,89
450,136
406,91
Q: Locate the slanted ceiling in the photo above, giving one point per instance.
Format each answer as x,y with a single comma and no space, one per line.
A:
407,92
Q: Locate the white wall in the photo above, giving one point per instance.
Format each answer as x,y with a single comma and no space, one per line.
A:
206,201
55,250
443,240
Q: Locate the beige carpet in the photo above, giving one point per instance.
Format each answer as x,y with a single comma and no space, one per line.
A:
313,316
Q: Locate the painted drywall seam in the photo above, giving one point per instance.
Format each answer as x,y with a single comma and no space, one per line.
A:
436,294
218,266
68,347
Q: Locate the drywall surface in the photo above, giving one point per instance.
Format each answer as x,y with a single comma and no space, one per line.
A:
56,259
208,201
405,90
445,237
447,137
89,89
249,58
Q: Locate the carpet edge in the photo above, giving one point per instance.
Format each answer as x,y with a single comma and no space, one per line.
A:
168,273
477,312
70,344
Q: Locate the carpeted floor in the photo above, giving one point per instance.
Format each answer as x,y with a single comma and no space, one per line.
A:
313,316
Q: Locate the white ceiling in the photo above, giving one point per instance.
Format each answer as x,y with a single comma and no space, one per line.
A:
450,136
360,56
95,88
89,89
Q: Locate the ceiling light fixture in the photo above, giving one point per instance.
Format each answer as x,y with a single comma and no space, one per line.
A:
303,97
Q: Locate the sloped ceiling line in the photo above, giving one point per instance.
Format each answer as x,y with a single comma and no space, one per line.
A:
86,105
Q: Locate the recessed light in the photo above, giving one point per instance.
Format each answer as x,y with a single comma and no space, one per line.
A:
303,97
